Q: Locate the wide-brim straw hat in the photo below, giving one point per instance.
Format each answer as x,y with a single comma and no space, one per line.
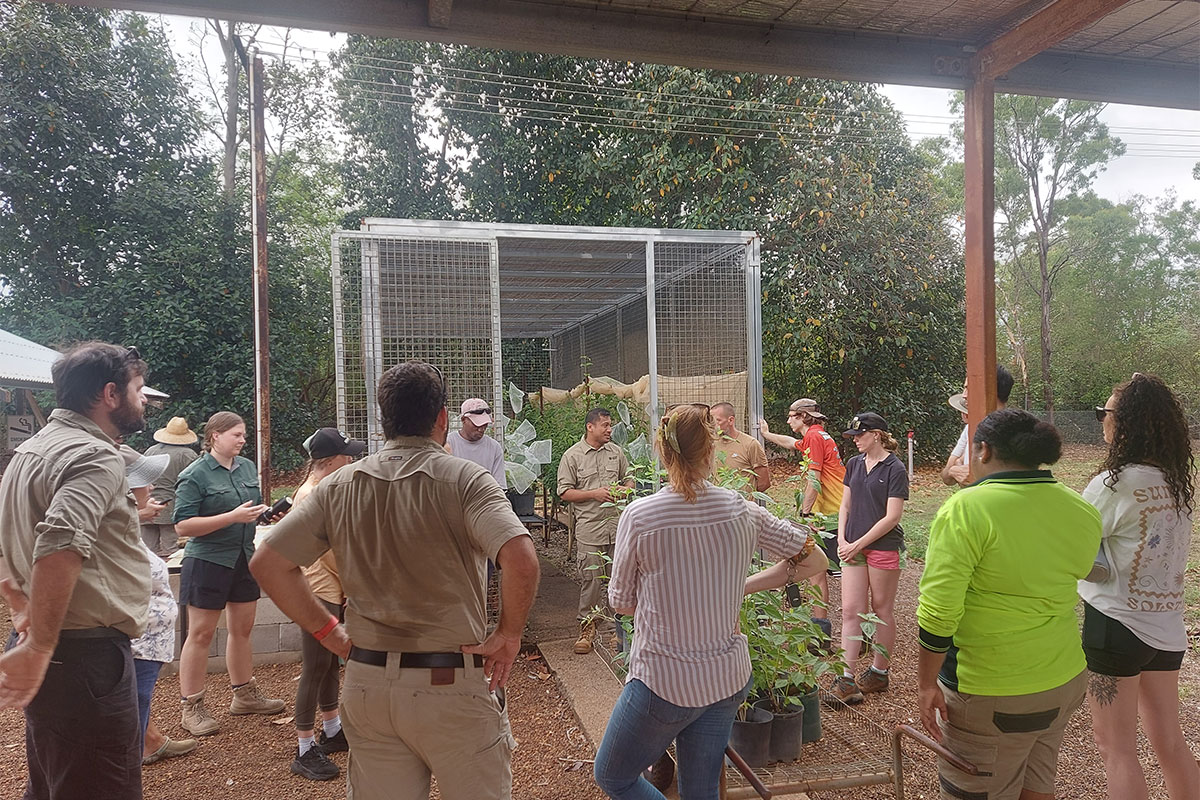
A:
958,402
176,432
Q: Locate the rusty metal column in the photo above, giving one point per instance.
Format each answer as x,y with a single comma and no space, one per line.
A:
258,226
979,190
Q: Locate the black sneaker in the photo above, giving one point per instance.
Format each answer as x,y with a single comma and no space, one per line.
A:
333,744
315,765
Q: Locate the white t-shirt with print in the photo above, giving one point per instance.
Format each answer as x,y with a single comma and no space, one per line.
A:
1146,541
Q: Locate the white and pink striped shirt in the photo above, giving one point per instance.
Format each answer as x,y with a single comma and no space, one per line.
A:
683,566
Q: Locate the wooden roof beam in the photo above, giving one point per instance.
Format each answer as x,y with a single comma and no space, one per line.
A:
1038,33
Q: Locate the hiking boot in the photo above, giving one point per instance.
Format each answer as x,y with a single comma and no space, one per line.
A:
334,744
170,749
872,681
315,765
587,636
846,690
247,699
196,719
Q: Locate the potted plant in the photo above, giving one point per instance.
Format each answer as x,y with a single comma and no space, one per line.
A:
788,664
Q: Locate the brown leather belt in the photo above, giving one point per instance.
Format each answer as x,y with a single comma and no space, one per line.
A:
378,658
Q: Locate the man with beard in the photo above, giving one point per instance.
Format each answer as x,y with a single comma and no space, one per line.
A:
590,475
78,581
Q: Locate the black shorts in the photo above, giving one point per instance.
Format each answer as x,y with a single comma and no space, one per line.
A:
204,584
1112,649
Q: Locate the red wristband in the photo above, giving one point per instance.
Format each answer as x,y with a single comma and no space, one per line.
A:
329,626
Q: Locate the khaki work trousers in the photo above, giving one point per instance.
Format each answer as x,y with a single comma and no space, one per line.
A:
401,730
594,572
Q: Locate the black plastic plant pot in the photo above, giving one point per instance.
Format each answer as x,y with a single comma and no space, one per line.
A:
522,503
786,731
812,715
752,738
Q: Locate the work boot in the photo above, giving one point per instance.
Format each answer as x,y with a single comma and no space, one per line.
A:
587,636
196,719
169,749
247,699
846,690
872,681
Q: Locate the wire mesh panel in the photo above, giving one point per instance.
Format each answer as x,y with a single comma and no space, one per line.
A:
424,299
546,305
701,321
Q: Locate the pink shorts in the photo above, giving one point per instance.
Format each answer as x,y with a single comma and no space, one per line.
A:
879,559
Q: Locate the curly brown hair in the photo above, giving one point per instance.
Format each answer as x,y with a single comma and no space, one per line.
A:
1150,428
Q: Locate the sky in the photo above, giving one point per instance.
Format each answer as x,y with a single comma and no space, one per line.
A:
1162,145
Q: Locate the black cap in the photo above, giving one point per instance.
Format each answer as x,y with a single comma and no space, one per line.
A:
328,442
866,421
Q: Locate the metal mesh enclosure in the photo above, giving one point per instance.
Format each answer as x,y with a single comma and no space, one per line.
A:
674,312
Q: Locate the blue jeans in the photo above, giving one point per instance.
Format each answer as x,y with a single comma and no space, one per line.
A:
147,675
641,729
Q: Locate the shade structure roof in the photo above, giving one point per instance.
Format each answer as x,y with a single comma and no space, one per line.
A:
26,365
1145,52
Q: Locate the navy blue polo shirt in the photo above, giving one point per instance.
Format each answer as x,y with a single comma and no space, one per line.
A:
869,493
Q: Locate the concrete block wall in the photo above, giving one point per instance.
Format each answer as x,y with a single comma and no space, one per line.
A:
274,639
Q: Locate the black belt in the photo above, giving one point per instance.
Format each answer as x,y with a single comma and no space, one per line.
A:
92,633
378,658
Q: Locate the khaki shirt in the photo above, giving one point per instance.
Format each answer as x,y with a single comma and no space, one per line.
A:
744,452
412,528
586,468
65,489
164,488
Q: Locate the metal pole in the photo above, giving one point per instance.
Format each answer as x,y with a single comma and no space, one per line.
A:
910,452
258,226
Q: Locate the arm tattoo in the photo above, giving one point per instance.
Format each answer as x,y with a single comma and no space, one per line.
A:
1102,688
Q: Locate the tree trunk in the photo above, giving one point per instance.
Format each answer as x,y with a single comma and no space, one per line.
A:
229,161
1044,294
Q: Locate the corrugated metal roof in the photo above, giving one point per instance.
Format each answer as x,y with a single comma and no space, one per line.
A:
26,365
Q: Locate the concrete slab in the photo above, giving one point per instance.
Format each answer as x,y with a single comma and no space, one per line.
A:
586,682
555,611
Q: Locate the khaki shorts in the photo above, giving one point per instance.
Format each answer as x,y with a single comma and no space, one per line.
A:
1013,741
402,729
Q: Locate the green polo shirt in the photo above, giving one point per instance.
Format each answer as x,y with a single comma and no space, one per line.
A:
205,489
999,589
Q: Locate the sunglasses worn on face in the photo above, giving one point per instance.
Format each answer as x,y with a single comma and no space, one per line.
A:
481,411
1101,411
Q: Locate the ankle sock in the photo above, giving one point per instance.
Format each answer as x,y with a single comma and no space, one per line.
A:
332,726
236,686
878,671
306,743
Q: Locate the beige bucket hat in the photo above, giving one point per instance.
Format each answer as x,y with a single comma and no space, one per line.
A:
176,432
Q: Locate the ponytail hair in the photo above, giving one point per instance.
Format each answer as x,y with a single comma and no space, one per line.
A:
888,442
1018,437
686,441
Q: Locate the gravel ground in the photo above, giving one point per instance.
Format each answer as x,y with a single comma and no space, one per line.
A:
249,758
